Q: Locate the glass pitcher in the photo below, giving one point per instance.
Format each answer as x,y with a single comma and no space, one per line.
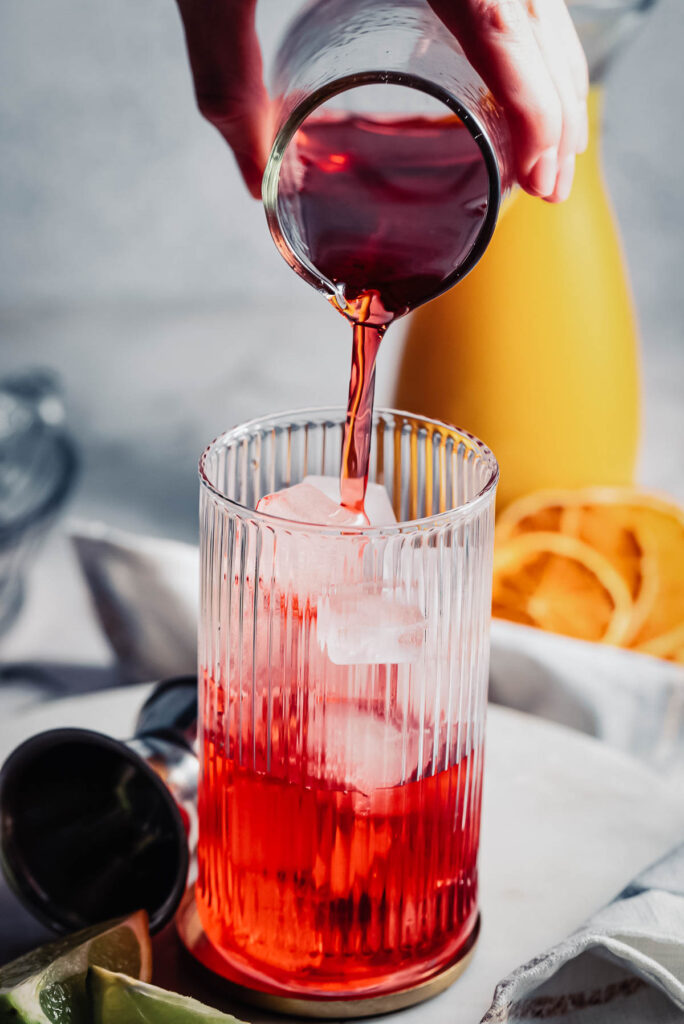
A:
540,341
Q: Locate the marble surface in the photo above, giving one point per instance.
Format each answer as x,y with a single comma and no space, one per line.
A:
566,824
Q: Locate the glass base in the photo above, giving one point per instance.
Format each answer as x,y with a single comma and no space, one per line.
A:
197,943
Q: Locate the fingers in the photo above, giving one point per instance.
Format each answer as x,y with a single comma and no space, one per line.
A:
563,56
227,70
528,53
576,57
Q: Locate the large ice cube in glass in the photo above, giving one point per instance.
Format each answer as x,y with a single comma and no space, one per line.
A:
356,749
302,563
377,504
370,624
306,503
307,564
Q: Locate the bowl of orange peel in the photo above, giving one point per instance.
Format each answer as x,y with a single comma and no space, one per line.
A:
603,564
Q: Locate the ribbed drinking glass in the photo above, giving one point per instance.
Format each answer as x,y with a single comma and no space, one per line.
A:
342,704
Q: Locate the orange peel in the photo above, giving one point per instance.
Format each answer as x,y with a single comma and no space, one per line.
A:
639,533
563,585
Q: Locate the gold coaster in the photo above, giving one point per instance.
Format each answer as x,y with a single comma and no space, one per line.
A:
195,940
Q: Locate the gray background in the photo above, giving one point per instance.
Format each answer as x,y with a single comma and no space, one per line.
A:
133,261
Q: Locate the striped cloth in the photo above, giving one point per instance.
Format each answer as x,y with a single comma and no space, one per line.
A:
625,965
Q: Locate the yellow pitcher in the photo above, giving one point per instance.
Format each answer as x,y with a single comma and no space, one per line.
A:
536,350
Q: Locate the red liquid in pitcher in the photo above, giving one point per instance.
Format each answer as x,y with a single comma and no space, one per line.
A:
308,882
386,209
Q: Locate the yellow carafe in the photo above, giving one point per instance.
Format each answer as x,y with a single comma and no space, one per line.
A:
536,350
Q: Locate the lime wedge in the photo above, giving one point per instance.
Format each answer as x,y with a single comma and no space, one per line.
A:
116,999
47,985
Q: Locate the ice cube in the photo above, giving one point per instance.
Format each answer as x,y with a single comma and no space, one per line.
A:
353,748
370,624
306,503
306,564
302,563
377,504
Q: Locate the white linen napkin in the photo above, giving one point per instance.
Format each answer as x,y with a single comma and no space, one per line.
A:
145,592
626,964
632,701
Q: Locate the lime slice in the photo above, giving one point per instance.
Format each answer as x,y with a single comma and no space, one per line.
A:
115,999
47,985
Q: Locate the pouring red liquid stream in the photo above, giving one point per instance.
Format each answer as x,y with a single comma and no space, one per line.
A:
386,209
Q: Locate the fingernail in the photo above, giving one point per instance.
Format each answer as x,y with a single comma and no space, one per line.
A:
565,176
542,177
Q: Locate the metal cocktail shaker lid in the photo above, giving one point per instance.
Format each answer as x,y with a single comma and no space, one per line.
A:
94,828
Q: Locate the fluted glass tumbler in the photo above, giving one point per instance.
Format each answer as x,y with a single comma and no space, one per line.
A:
342,704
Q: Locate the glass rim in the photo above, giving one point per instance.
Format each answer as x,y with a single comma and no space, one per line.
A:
346,83
337,416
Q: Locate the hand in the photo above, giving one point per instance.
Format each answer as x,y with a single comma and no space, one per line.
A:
527,51
228,73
